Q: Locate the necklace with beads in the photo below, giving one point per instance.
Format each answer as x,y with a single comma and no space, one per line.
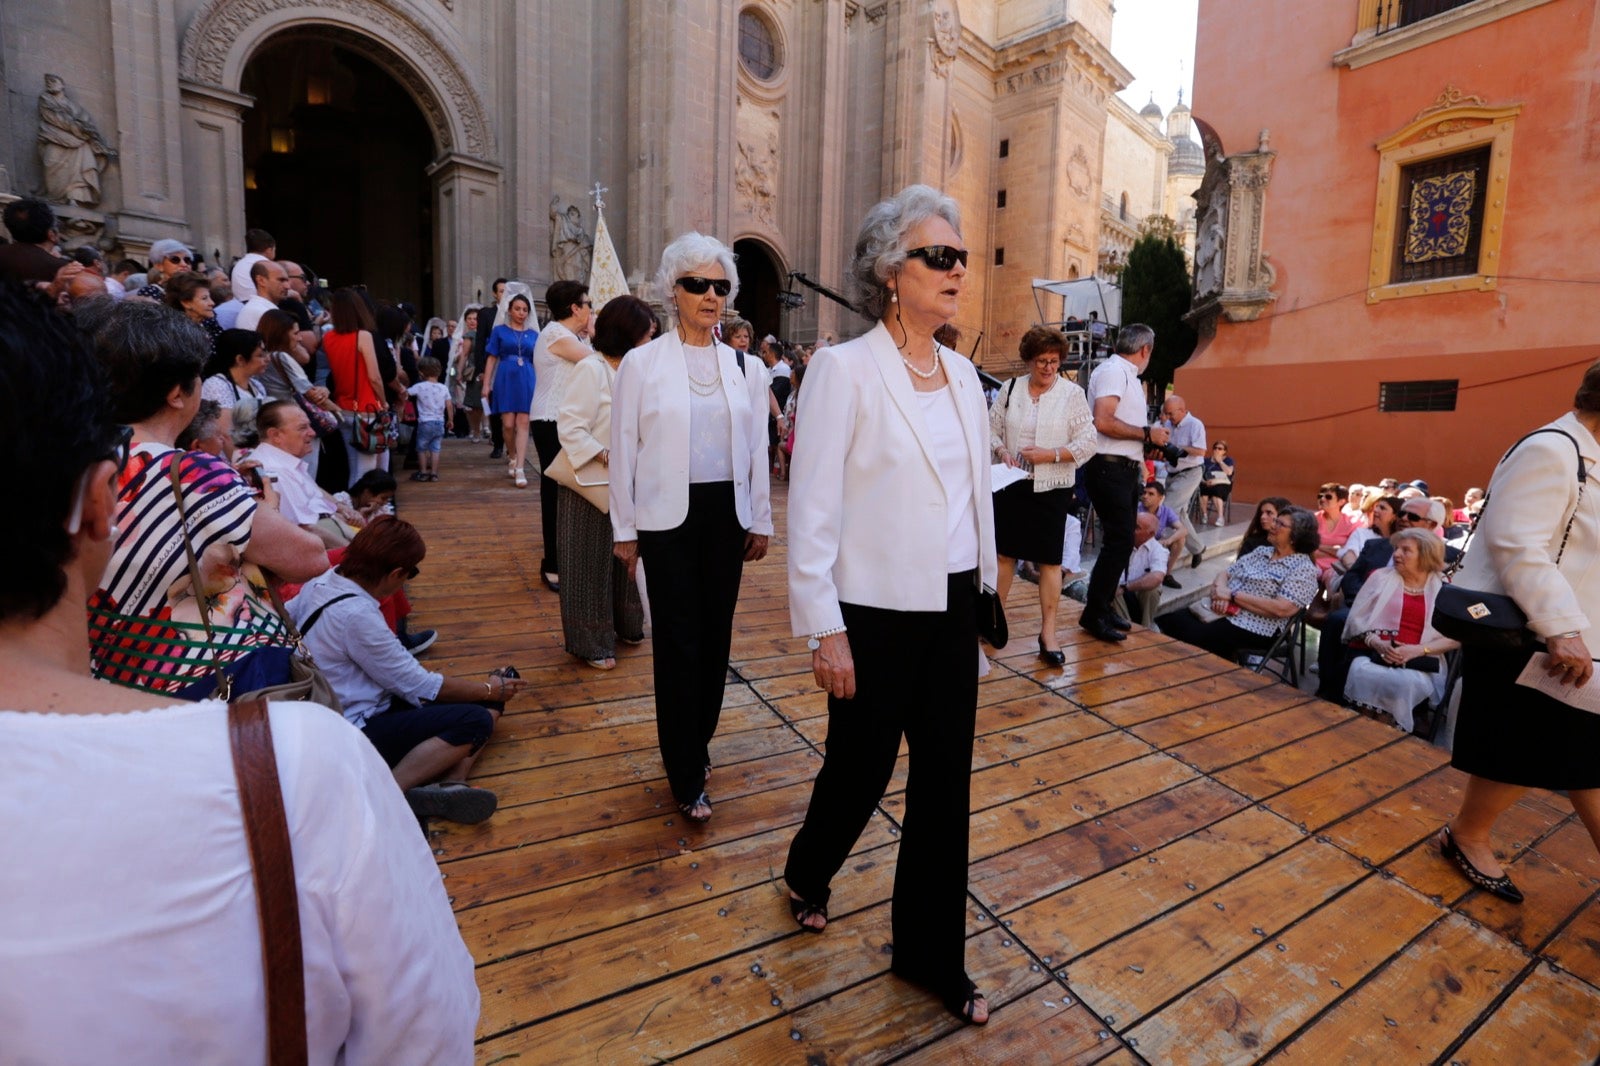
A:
925,375
702,388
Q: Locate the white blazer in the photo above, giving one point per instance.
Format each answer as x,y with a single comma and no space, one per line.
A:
650,439
867,509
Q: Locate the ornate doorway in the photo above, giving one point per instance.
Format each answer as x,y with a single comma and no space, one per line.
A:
760,281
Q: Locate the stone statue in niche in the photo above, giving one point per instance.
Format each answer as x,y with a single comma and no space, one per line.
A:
1211,230
71,151
571,247
946,38
754,177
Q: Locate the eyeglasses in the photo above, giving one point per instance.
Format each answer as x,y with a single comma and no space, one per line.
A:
939,256
695,285
1326,496
585,303
176,258
1284,522
297,277
412,572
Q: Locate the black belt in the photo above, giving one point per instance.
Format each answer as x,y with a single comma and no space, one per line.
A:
1120,459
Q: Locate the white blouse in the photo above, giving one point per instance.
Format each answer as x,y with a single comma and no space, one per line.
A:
955,471
550,373
710,422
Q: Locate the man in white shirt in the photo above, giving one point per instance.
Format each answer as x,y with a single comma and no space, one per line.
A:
1188,433
271,282
286,439
1115,476
1139,597
259,245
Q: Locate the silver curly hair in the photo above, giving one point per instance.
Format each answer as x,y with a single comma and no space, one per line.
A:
690,253
880,246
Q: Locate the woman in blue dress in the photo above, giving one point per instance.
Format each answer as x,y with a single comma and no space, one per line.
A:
508,376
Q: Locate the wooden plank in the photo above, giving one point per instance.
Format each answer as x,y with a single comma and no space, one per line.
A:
1283,768
1550,1018
1048,864
1047,1027
1423,868
1246,741
1336,793
1577,947
1190,723
1199,692
1241,1013
1417,1005
1126,979
1092,694
1555,895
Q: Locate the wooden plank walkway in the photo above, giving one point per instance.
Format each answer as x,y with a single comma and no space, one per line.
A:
1172,860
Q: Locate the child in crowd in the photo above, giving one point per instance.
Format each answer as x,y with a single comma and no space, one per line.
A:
434,410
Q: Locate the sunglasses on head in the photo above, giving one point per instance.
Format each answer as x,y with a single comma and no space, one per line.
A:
695,285
939,256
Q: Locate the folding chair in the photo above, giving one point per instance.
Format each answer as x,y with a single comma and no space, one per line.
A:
1285,657
1440,711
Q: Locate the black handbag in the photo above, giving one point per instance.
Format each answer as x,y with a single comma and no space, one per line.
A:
1492,619
991,617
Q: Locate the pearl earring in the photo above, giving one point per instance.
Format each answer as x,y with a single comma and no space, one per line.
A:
114,532
894,297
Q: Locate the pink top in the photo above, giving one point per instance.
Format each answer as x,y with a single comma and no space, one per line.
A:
1332,536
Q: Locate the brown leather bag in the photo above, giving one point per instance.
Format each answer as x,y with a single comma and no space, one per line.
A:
255,767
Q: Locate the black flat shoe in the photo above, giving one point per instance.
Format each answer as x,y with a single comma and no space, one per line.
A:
551,581
1496,886
1049,657
1101,629
1171,582
1120,622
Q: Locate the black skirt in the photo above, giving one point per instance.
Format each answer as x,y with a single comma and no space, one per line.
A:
1512,734
1031,525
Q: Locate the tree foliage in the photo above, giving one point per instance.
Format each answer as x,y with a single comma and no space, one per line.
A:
1157,290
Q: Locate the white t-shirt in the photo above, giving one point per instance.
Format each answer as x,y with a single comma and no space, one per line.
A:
954,464
129,931
431,397
240,281
250,314
1118,377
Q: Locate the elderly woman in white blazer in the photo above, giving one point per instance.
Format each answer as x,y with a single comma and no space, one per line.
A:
599,600
689,496
1538,541
890,532
1040,422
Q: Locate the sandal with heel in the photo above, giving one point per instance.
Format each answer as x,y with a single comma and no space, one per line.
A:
687,809
802,912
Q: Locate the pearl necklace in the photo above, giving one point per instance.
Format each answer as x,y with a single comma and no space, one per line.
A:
925,375
702,388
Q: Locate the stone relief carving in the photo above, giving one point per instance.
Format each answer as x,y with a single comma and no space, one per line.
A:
946,39
571,247
1057,70
71,150
1232,275
220,23
755,178
1077,236
1079,177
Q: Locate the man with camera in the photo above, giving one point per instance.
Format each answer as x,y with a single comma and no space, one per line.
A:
1184,454
1114,478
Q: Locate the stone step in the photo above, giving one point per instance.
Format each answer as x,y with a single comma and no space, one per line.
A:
1221,547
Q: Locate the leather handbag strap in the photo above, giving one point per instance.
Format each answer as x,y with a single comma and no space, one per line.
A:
255,767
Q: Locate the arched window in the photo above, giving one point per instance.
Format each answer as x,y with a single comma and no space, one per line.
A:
758,44
1124,207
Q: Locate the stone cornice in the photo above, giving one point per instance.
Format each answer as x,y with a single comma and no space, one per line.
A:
1073,38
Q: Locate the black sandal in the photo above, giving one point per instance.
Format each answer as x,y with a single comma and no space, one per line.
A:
688,809
1497,886
802,911
960,1000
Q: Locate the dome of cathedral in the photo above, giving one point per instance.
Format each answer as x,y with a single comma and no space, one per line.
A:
1152,111
1187,157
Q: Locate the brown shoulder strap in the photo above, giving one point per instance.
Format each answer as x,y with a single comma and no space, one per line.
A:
255,766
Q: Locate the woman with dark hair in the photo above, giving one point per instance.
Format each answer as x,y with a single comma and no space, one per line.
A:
100,956
1259,531
1041,423
1256,596
689,498
233,379
1216,481
353,370
890,536
1537,539
599,601
1334,526
555,354
508,375
188,292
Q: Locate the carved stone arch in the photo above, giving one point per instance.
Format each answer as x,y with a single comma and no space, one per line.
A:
224,34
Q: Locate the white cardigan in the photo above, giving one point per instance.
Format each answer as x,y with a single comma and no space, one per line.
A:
583,420
1532,493
650,439
1065,421
866,505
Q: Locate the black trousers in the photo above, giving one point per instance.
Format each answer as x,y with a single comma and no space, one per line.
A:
692,577
497,432
1113,484
1333,657
1219,637
546,443
932,702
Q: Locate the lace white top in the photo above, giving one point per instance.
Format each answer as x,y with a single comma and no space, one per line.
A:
550,373
955,470
710,421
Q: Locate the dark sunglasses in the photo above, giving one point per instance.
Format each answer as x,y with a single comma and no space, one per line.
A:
175,258
695,285
1326,496
585,303
939,256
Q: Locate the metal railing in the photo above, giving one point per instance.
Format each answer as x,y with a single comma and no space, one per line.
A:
1395,14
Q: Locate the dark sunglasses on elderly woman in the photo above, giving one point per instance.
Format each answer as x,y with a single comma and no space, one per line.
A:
697,286
939,256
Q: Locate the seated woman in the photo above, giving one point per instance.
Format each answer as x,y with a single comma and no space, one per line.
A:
1395,652
428,727
1334,526
1257,595
130,930
1216,482
1383,518
1259,531
232,377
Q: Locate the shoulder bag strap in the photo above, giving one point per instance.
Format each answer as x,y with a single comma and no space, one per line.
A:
266,830
196,584
1583,477
312,618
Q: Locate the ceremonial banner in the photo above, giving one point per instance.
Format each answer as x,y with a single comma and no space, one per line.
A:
606,278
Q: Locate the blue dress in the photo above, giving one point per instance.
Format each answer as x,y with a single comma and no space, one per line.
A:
513,374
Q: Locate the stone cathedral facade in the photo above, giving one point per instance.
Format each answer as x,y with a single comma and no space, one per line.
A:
428,146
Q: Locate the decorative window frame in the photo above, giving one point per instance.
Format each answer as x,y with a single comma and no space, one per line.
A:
1370,46
772,87
1453,124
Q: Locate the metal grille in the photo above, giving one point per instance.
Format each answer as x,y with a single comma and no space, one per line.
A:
757,48
1393,14
1399,396
1476,161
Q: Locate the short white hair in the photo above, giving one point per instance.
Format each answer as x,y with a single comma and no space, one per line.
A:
691,253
